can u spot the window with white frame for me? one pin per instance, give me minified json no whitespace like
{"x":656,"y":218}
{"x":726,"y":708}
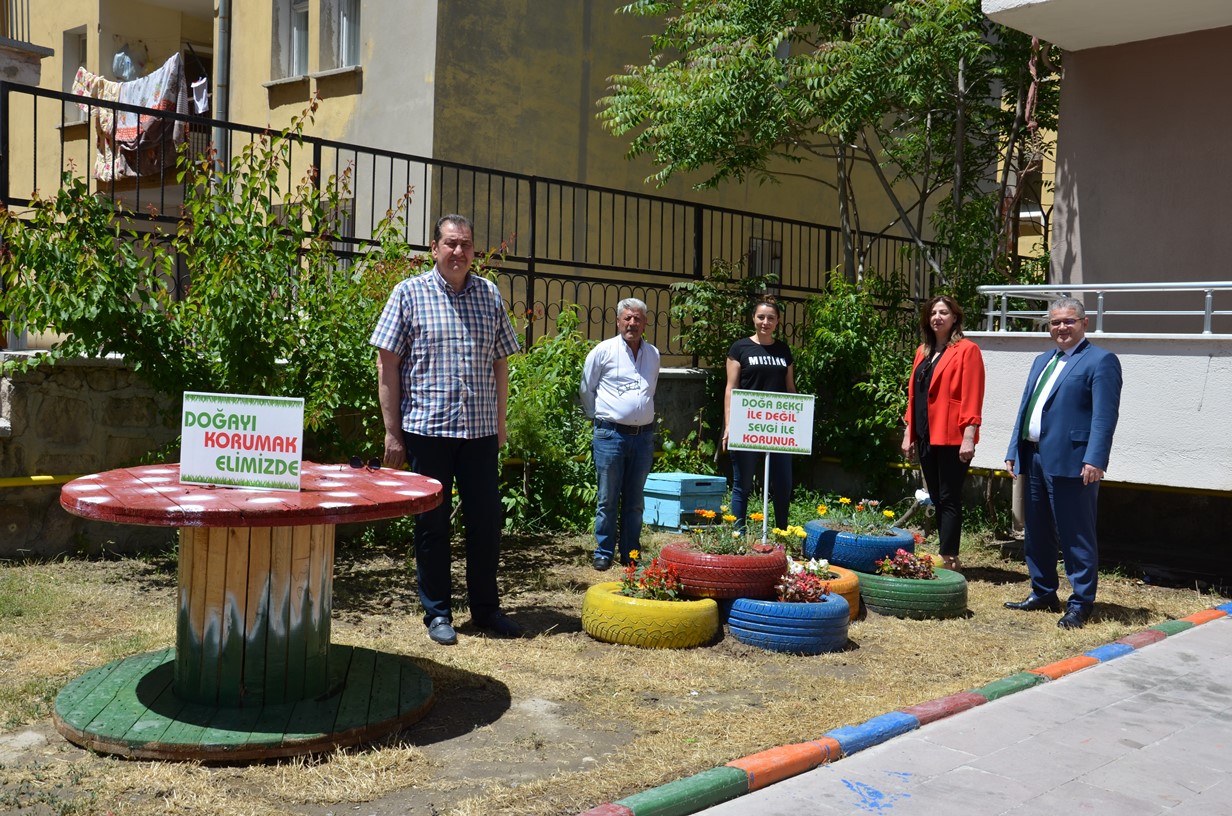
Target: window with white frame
{"x":289,"y":52}
{"x":339,"y":34}
{"x":299,"y":38}
{"x":74,"y":57}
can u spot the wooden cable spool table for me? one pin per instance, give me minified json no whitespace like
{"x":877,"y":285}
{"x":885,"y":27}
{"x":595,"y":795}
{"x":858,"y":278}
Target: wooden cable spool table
{"x":253,"y":674}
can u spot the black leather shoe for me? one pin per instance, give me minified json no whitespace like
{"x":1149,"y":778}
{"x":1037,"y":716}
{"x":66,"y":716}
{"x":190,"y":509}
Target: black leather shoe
{"x":602,"y":563}
{"x":1074,"y":618}
{"x":1034,"y":603}
{"x":498,"y":624}
{"x":441,"y":631}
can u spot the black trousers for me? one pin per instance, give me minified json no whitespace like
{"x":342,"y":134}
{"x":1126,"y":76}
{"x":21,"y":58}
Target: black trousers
{"x":944,"y":474}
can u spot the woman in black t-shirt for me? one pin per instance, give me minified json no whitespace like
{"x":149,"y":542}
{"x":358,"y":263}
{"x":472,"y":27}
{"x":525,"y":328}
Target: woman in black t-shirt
{"x":759,"y":363}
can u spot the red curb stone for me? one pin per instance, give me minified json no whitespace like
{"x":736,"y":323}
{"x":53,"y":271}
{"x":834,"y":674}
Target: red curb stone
{"x":1205,"y":615}
{"x":1067,"y":666}
{"x":784,"y":762}
{"x":607,"y":810}
{"x":945,"y":706}
{"x":1144,"y":638}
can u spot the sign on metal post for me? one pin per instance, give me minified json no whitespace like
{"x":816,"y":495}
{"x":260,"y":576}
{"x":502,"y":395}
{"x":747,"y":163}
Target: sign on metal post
{"x":238,"y":440}
{"x":772,"y":422}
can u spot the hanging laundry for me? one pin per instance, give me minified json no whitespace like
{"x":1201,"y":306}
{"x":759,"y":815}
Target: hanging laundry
{"x":132,"y":144}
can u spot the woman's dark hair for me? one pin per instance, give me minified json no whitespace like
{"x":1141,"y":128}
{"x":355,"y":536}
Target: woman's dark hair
{"x":926,"y":329}
{"x":766,"y":300}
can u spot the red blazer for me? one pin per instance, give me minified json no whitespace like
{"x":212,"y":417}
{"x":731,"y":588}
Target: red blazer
{"x":956,"y":395}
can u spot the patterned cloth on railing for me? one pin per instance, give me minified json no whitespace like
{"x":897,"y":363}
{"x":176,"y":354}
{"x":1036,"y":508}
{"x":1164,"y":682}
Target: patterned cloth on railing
{"x":131,"y":144}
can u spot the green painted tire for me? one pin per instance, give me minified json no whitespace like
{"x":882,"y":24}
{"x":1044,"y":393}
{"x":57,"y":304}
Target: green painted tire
{"x":942,"y":597}
{"x":614,"y":618}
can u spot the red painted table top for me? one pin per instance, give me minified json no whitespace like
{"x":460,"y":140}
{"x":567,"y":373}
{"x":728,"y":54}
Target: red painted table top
{"x":329,"y":494}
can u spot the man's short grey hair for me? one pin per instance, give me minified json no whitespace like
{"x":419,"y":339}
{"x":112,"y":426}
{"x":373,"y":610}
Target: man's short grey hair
{"x":1068,"y":303}
{"x":631,"y":304}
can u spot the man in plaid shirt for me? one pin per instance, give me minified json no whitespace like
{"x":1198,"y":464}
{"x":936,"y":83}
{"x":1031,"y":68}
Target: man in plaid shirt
{"x":442,"y":342}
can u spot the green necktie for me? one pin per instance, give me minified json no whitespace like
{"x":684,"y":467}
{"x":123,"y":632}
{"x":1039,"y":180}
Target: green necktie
{"x":1039,"y":389}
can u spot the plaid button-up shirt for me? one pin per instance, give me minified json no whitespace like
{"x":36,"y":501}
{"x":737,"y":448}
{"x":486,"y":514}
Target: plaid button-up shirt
{"x":448,"y":342}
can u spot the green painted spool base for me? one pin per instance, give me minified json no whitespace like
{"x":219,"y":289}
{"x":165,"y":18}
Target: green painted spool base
{"x":128,"y":708}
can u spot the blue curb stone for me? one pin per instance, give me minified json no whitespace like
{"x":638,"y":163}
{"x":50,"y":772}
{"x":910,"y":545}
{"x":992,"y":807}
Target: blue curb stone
{"x":852,"y":738}
{"x":1110,"y":651}
{"x":1225,"y":608}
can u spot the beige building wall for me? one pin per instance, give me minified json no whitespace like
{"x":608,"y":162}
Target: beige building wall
{"x":1140,"y":161}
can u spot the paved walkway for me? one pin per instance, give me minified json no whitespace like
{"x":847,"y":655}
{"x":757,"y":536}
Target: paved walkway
{"x":1137,"y":727}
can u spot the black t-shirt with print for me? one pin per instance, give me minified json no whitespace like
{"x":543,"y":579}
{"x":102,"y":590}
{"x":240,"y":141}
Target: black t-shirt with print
{"x":762,"y":368}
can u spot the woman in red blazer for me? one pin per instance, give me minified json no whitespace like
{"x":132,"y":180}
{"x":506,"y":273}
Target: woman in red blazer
{"x":945,"y":396}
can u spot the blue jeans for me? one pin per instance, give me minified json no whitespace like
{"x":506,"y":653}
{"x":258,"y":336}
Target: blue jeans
{"x":474,"y":465}
{"x":623,"y":462}
{"x":745,"y":464}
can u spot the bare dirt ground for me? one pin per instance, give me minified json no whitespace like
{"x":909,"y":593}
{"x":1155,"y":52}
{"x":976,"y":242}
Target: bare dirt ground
{"x":552,"y":724}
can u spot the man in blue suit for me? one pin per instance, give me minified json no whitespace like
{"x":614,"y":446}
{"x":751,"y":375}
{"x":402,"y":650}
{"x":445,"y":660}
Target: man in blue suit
{"x":1060,"y":444}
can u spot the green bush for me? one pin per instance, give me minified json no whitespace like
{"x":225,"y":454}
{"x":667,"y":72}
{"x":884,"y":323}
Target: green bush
{"x":268,"y":307}
{"x":552,"y":483}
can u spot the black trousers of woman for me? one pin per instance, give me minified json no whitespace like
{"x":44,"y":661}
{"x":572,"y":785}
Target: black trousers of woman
{"x":944,"y":474}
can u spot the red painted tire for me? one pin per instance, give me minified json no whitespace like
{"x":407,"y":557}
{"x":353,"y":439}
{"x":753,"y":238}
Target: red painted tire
{"x":703,"y":575}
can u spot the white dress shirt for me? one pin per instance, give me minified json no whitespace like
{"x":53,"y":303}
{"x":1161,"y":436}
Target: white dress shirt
{"x":618,"y":387}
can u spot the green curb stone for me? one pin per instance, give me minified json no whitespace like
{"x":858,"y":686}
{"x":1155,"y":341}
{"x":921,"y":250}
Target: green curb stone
{"x":1172,"y":627}
{"x":1010,"y":685}
{"x":689,"y":795}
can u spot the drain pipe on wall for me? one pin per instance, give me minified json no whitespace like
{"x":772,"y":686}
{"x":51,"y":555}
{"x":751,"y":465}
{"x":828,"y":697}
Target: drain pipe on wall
{"x":222,"y":83}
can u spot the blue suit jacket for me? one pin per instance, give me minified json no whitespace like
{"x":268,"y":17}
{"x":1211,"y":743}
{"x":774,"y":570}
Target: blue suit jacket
{"x":1079,"y":415}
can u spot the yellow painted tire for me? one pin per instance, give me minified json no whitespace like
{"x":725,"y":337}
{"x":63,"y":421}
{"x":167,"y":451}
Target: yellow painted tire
{"x":846,"y":584}
{"x":614,"y":618}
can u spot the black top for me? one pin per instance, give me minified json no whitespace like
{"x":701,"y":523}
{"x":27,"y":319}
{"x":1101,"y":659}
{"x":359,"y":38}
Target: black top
{"x":762,"y":368}
{"x":919,"y":409}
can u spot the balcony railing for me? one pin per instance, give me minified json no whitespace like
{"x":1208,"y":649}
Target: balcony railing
{"x":565,"y":243}
{"x":15,"y":20}
{"x":1152,"y":308}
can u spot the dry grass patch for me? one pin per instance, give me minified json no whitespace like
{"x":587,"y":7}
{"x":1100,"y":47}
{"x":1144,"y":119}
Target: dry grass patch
{"x":552,"y":724}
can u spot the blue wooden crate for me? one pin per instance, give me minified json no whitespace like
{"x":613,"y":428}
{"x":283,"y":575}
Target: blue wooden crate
{"x":671,"y":499}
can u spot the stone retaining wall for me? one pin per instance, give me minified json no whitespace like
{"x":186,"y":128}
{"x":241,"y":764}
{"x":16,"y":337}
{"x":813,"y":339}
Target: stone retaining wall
{"x":78,"y":417}
{"x":86,"y":416}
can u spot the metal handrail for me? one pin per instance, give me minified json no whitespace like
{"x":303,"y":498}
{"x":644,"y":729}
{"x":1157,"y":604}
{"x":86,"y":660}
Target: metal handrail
{"x":1049,"y":292}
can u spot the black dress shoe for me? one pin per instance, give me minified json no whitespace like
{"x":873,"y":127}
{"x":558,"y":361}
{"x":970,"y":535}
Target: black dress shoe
{"x":498,"y":624}
{"x":602,"y":563}
{"x":1034,"y":603}
{"x":441,"y":631}
{"x":1074,"y":618}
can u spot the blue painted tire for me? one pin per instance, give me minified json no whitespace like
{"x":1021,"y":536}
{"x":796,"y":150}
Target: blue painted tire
{"x":862,"y":552}
{"x":795,"y":628}
{"x":942,"y":597}
{"x":818,"y":540}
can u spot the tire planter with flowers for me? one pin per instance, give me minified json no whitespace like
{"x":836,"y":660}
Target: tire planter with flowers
{"x":846,"y":584}
{"x":796,"y":628}
{"x":707,"y":575}
{"x":611,"y":617}
{"x":944,"y":596}
{"x":854,"y":551}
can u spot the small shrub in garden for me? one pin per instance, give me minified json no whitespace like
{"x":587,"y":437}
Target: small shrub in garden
{"x":718,"y":534}
{"x":866,"y":516}
{"x":805,"y":582}
{"x":907,"y":565}
{"x":652,"y":582}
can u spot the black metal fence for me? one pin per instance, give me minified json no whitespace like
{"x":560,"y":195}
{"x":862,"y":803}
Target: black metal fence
{"x":563,"y":243}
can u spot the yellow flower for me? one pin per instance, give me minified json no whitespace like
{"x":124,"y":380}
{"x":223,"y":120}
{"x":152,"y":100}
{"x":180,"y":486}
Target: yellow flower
{"x":724,"y":508}
{"x":634,"y":554}
{"x":755,"y":517}
{"x":799,"y":531}
{"x":844,"y":500}
{"x":888,"y":513}
{"x":728,"y":517}
{"x":776,"y":531}
{"x":822,"y":509}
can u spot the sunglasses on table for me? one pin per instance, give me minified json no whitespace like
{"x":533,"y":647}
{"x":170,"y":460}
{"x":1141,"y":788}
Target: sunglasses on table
{"x":371,"y":464}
